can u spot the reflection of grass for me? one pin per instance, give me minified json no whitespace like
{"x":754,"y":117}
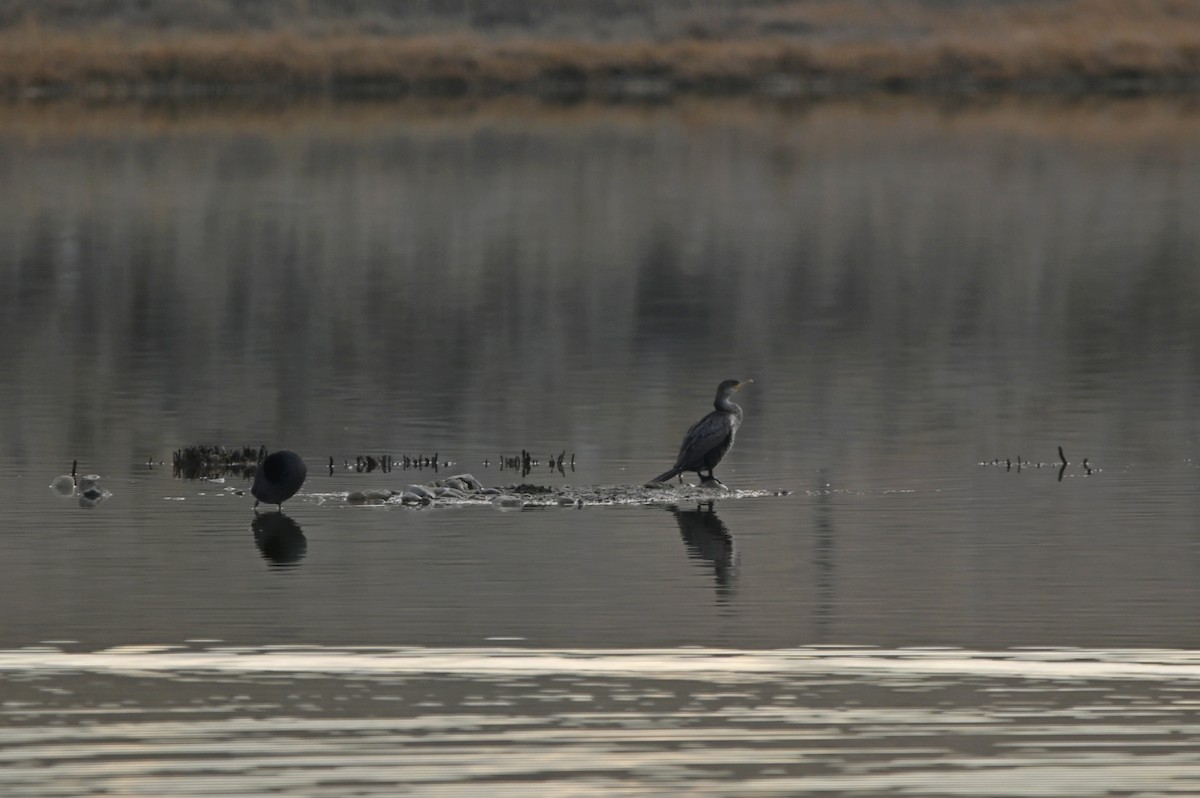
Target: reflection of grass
{"x":781,"y":47}
{"x":1147,"y":123}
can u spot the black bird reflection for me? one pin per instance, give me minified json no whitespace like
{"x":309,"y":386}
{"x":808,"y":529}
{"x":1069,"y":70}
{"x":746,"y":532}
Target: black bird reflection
{"x":708,"y":540}
{"x":279,"y":539}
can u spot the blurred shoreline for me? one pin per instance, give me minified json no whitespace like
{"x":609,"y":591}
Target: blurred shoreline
{"x":599,"y":50}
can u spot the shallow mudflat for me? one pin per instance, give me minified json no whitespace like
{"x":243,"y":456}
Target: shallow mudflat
{"x":459,"y":491}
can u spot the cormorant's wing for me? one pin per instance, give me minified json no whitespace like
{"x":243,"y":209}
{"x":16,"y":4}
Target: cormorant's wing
{"x":705,"y":435}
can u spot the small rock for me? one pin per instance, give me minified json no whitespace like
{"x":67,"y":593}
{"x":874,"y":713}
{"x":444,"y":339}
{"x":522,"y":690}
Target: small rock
{"x":374,"y":495}
{"x":468,"y":480}
{"x":93,"y":496}
{"x":63,"y":485}
{"x":88,"y":482}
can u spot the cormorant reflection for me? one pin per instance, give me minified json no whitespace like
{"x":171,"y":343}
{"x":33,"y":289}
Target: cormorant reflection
{"x":707,"y":539}
{"x":279,"y":538}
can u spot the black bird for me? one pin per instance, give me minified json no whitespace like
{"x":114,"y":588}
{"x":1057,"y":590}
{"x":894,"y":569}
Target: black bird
{"x":709,"y":438}
{"x":278,"y":478}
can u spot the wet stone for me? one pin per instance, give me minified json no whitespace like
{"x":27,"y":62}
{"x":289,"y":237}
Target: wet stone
{"x":63,"y":485}
{"x":373,"y":496}
{"x":469,"y":482}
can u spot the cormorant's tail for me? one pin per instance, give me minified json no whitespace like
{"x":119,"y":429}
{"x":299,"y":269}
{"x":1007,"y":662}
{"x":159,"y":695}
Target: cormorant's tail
{"x":667,"y":476}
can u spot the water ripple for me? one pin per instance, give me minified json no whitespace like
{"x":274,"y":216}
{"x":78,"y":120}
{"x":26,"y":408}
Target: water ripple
{"x":313,"y":721}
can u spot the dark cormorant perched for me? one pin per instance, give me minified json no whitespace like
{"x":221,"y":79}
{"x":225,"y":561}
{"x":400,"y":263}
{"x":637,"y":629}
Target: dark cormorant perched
{"x":709,"y":438}
{"x":278,"y":478}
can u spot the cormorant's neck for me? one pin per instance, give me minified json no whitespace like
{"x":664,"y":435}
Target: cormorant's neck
{"x":726,"y":405}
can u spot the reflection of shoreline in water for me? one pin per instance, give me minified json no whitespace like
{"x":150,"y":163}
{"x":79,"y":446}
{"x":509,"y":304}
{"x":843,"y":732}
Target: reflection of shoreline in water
{"x":708,"y":540}
{"x":972,"y":190}
{"x":279,"y":538}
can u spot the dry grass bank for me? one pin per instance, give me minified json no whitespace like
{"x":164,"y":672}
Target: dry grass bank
{"x":574,"y":49}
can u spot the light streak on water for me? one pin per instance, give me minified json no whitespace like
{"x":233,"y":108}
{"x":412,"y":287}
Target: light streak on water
{"x":718,"y":665}
{"x":210,"y":719}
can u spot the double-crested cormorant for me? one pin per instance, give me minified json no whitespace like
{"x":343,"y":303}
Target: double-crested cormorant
{"x":278,"y":478}
{"x":709,"y":438}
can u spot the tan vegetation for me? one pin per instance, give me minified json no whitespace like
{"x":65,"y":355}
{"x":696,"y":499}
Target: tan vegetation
{"x":575,"y":49}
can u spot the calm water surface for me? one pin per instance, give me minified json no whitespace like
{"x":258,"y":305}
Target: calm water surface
{"x":917,"y":292}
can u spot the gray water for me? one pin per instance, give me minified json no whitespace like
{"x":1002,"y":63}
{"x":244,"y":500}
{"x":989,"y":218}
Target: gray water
{"x":924,"y":296}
